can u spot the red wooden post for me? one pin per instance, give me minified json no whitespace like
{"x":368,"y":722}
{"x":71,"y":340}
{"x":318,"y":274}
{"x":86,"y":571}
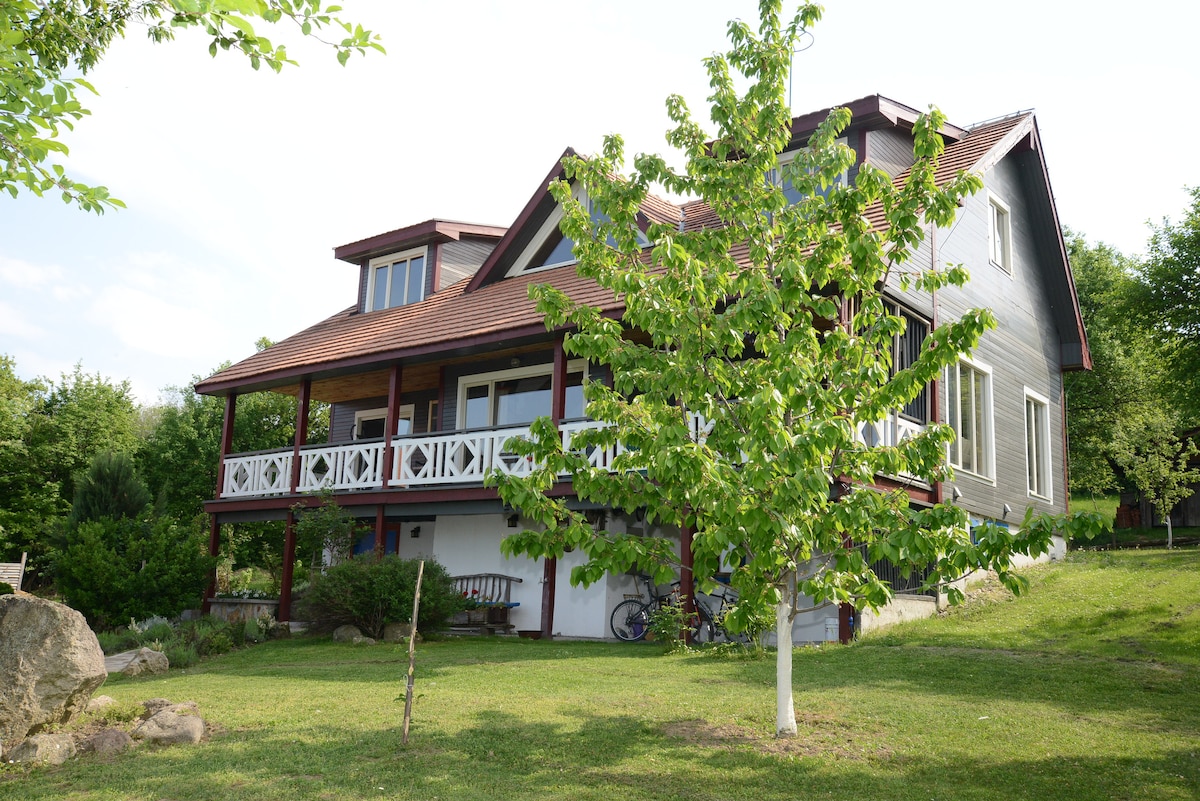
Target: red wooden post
{"x":214,"y":547}
{"x":226,"y":439}
{"x":302,"y":402}
{"x":558,"y":408}
{"x":392,"y":422}
{"x":289,"y":559}
{"x":381,"y":532}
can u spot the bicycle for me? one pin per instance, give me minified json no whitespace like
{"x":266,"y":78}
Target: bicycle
{"x":712,"y":623}
{"x":630,"y":619}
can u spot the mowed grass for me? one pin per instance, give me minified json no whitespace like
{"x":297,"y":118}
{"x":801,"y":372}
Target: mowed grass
{"x":1084,"y":688}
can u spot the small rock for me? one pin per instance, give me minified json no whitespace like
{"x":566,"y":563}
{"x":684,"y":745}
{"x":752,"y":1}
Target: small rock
{"x":146,"y":660}
{"x":44,"y":749}
{"x":107,"y":741}
{"x":346,"y":633}
{"x":363,"y":641}
{"x":100,"y":703}
{"x":167,"y":728}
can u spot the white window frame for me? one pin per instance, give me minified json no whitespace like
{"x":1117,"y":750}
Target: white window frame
{"x":1038,"y":447}
{"x":406,"y":413}
{"x":986,"y":470}
{"x":468,"y":382}
{"x":1000,"y":234}
{"x":390,"y":261}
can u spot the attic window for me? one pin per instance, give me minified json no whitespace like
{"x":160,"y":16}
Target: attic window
{"x":397,"y":279}
{"x":551,"y":248}
{"x":793,"y":195}
{"x":999,"y":234}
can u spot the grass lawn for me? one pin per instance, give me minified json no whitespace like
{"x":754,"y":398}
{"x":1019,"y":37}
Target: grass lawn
{"x":1084,"y":688}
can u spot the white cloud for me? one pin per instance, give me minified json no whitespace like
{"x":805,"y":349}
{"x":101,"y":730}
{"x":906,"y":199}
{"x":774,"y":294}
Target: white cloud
{"x":13,"y":322}
{"x":25,"y":275}
{"x":148,"y":323}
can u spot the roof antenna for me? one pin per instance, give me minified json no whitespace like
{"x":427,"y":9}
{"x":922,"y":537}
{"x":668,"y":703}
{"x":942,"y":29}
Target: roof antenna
{"x":804,"y":40}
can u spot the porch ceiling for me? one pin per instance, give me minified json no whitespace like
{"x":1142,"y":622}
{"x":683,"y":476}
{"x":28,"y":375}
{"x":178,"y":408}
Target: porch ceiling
{"x":374,"y":383}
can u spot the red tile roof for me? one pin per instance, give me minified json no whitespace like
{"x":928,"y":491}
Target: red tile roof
{"x":454,"y":318}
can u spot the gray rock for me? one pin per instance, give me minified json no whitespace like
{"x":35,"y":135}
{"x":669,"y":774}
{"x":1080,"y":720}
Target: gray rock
{"x":146,"y":661}
{"x":106,"y":741}
{"x":167,"y":728}
{"x":346,"y":633}
{"x":99,"y":704}
{"x":51,"y":664}
{"x":44,"y":749}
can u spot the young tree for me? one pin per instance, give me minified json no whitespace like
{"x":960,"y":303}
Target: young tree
{"x":748,"y":355}
{"x":1158,"y":464}
{"x":45,"y":44}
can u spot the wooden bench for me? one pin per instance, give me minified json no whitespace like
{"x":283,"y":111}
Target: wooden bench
{"x":11,"y":573}
{"x":493,"y":593}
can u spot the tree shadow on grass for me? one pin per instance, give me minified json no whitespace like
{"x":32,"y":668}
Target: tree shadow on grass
{"x":584,"y":756}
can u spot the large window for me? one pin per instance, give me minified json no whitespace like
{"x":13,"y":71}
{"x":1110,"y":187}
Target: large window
{"x":396,"y":280}
{"x":1037,"y":444}
{"x":907,"y":349}
{"x":516,"y":397}
{"x":969,"y":403}
{"x":999,"y":234}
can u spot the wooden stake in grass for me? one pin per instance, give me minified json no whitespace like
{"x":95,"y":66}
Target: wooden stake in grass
{"x":412,"y":651}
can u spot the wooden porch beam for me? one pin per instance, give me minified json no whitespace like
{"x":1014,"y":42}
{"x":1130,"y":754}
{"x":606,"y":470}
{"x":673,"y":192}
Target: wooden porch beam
{"x":226,"y":439}
{"x":302,"y":402}
{"x":558,"y":408}
{"x":395,"y":377}
{"x":289,"y":559}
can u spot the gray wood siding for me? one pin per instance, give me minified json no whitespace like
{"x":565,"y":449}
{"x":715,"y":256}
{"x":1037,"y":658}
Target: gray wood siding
{"x":890,"y":149}
{"x":341,"y":415}
{"x":1023,"y":351}
{"x":462,"y":259}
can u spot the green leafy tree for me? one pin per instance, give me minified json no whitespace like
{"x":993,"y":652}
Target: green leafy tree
{"x":27,"y":499}
{"x":1128,"y":386}
{"x":46,"y":45}
{"x":62,"y":426}
{"x":1169,"y":280}
{"x":750,"y":326}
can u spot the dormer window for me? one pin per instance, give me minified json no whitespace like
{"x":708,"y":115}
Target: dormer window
{"x":793,"y":195}
{"x":397,"y":279}
{"x":551,"y":248}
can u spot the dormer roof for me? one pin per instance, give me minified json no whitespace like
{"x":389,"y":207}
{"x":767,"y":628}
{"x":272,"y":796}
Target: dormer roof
{"x":423,"y":233}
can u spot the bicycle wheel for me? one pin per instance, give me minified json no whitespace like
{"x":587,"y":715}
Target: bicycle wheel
{"x":630,"y":620}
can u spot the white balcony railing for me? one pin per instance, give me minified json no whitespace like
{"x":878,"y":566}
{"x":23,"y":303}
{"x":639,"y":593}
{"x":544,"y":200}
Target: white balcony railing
{"x":441,"y":459}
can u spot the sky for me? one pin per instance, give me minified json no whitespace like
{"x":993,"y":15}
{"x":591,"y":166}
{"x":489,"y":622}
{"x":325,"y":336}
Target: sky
{"x":239,"y":184}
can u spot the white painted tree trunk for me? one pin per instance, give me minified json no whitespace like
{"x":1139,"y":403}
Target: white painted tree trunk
{"x":785,"y":711}
{"x":1170,"y":533}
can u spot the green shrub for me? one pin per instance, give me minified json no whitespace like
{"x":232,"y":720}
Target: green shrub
{"x":6,"y":588}
{"x":371,"y":593}
{"x":114,"y":570}
{"x":181,"y":655}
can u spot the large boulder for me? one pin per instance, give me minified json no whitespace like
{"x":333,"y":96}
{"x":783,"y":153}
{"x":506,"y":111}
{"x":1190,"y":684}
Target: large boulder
{"x":51,"y":664}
